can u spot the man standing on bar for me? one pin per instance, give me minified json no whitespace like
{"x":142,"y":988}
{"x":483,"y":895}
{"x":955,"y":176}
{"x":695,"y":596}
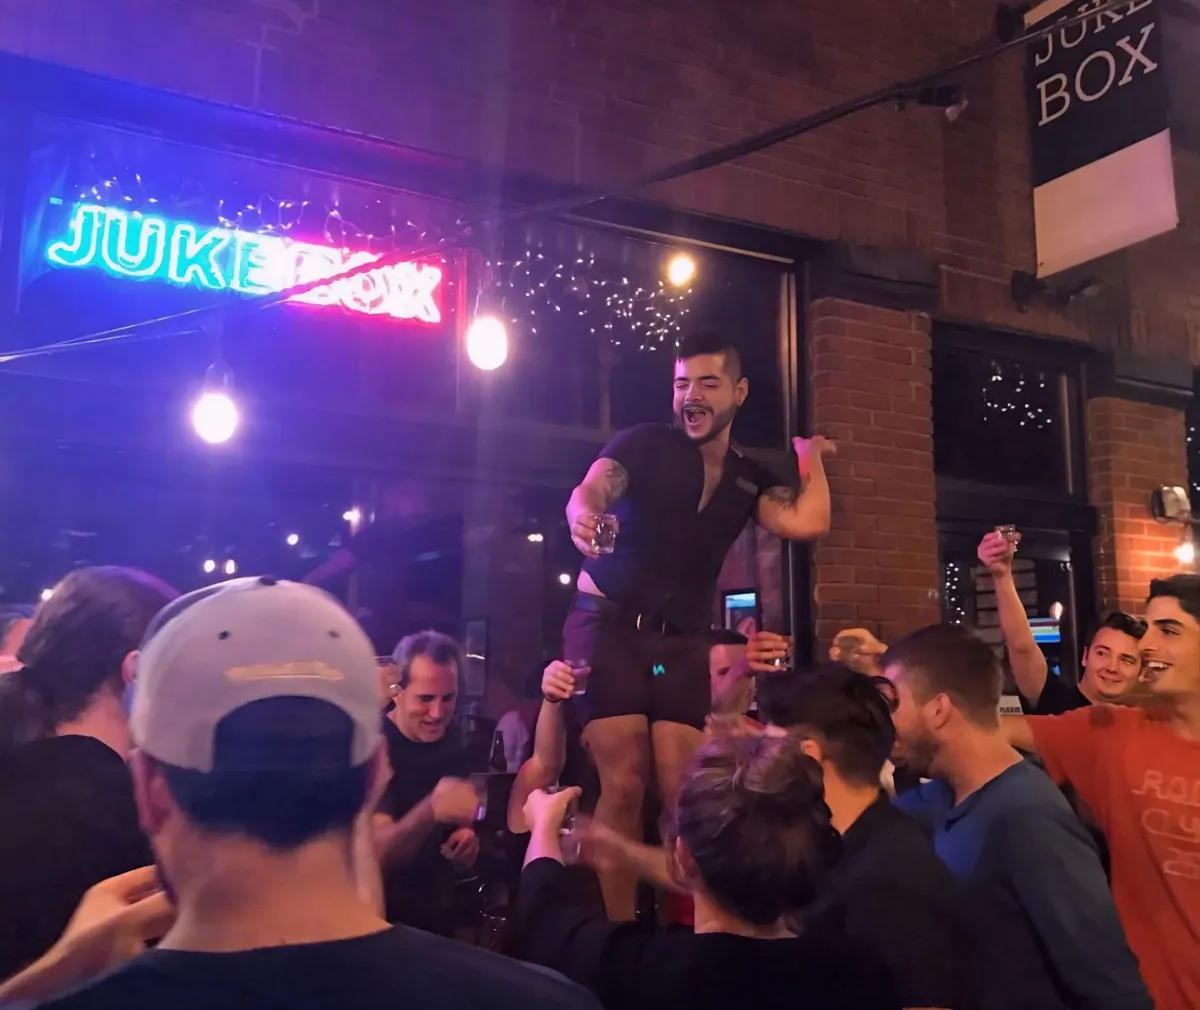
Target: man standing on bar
{"x":679,"y":496}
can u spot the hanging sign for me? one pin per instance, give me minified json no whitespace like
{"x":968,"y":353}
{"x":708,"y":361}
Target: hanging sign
{"x":1101,"y":148}
{"x":145,"y":246}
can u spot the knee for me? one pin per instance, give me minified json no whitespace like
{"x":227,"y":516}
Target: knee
{"x":624,"y":786}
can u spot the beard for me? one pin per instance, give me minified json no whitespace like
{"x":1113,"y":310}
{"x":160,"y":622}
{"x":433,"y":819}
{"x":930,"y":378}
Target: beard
{"x":719,"y":422}
{"x":917,"y":755}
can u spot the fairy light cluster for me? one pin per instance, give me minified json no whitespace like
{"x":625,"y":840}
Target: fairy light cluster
{"x":339,"y":227}
{"x":1008,"y":394}
{"x":954,"y":599}
{"x":536,"y":289}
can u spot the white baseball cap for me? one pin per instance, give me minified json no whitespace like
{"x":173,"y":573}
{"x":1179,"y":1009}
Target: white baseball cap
{"x":218,"y":649}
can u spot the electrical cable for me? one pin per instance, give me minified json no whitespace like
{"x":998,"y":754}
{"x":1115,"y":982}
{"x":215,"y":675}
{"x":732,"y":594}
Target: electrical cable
{"x":899,"y":90}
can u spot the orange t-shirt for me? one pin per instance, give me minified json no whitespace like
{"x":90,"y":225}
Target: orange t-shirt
{"x":1141,"y":781}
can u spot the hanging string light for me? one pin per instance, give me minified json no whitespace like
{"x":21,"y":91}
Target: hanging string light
{"x":953,"y":592}
{"x":1008,"y":394}
{"x":537,"y":289}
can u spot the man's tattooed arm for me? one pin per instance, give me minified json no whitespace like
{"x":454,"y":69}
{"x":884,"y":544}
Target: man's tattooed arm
{"x":786,"y":497}
{"x":615,"y":481}
{"x":606,"y":481}
{"x":793,"y":515}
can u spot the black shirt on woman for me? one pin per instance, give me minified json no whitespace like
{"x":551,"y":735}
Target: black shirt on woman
{"x":630,"y":968}
{"x":67,"y":821}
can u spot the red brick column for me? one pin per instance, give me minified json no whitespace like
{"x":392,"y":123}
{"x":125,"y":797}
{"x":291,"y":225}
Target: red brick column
{"x":1132,"y":449}
{"x":871,"y":388}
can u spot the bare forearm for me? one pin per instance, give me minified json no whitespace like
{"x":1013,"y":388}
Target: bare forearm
{"x":550,"y":740}
{"x":544,"y":843}
{"x":798,"y":515}
{"x":586,"y":500}
{"x":531,"y":776}
{"x":650,"y":864}
{"x":1028,"y":663}
{"x":398,"y":841}
{"x":52,"y":973}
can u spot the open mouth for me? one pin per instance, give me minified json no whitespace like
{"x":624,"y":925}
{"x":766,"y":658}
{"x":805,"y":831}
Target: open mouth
{"x":1152,"y":669}
{"x":694,"y":415}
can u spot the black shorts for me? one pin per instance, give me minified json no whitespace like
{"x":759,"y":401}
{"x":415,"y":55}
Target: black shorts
{"x":663,"y":677}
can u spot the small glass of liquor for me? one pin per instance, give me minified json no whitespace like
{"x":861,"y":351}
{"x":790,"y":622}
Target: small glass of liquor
{"x":788,"y":660}
{"x":1012,"y":535}
{"x":568,"y":832}
{"x":580,"y":671}
{"x":605,"y":540}
{"x":479,"y":782}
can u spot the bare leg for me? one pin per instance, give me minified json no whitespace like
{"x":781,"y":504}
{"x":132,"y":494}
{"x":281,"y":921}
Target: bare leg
{"x":673,"y":745}
{"x":620,"y":746}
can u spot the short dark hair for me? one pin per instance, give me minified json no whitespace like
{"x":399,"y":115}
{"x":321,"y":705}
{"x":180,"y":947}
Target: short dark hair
{"x":1125,"y":623}
{"x":845,"y":711}
{"x":1184,"y":588}
{"x":692,"y":345}
{"x":441,"y":649}
{"x":753,"y":816}
{"x":949,"y":659}
{"x":286,"y":806}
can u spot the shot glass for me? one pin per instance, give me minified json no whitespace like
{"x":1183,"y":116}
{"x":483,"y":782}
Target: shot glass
{"x":1012,"y":536}
{"x":479,"y":782}
{"x":605,"y":540}
{"x":568,"y":833}
{"x":580,"y":671}
{"x":787,"y":660}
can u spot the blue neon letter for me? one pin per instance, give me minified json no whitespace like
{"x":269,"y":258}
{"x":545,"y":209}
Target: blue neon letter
{"x":256,"y":266}
{"x":194,"y":257}
{"x":80,"y":249}
{"x":151,"y":244}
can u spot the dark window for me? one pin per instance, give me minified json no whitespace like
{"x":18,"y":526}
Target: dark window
{"x":999,"y":420}
{"x":594,"y":320}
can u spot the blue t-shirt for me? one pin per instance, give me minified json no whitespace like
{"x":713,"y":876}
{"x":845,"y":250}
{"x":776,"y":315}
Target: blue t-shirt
{"x":1046,"y":931}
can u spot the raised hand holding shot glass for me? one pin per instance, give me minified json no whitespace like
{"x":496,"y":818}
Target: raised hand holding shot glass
{"x":767,"y":652}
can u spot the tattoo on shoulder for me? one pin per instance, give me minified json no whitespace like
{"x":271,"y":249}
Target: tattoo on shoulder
{"x":783,"y":495}
{"x":616,"y":480}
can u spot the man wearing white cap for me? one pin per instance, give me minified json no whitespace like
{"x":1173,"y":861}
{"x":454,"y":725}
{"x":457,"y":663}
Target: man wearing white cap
{"x":259,"y":745}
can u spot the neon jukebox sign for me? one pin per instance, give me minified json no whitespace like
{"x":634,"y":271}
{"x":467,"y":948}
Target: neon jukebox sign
{"x":145,"y":246}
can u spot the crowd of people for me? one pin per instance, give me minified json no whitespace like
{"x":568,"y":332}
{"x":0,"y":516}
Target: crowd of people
{"x":207,"y":800}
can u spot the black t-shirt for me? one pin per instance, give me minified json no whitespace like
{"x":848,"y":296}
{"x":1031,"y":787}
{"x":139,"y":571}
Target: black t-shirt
{"x":891,"y":892}
{"x":630,"y":968}
{"x":396,"y":968}
{"x":668,"y":555}
{"x":420,"y":892}
{"x":1057,"y":697}
{"x":67,"y":822}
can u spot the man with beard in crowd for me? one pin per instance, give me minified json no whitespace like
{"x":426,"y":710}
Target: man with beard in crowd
{"x":1046,"y":931}
{"x":680,"y":495}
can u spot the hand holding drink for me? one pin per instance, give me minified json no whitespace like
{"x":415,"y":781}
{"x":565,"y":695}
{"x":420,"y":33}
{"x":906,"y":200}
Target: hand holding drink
{"x":767,"y":652}
{"x":595,"y":534}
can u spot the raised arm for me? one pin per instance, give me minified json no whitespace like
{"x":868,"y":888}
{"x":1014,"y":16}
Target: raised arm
{"x":606,"y":481}
{"x":803,"y":514}
{"x":1026,"y":658}
{"x":545,"y":766}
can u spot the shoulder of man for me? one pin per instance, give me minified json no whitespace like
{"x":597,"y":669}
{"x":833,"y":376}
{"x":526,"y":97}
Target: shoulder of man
{"x":507,"y":983}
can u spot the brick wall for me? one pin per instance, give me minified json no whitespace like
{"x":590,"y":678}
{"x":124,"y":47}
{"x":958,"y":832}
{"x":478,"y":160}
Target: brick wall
{"x":594,"y":92}
{"x":870,"y":389}
{"x":1133,"y":448}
